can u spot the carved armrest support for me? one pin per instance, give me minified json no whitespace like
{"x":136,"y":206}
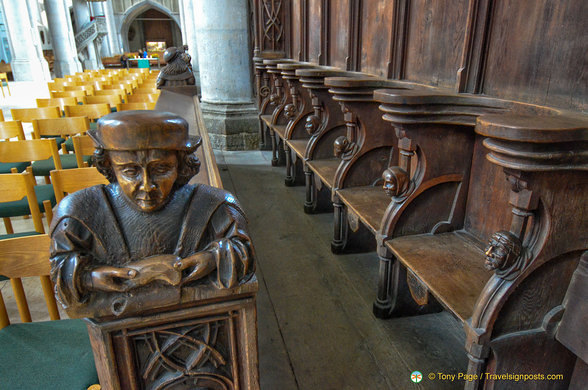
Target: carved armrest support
{"x":343,"y":148}
{"x":312,"y":124}
{"x":505,"y":255}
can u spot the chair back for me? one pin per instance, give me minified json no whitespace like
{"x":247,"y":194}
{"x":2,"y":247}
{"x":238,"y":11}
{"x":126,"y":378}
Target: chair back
{"x":126,"y":87}
{"x":77,"y":94}
{"x":83,"y":146}
{"x":60,"y":126}
{"x":135,"y":106}
{"x":147,"y":90}
{"x":67,"y":181}
{"x":30,"y":150}
{"x":143,"y":98}
{"x":15,"y":186}
{"x":1,"y":116}
{"x":4,"y":77}
{"x":61,"y":102}
{"x":112,"y":100}
{"x":11,"y":129}
{"x":92,"y":111}
{"x":30,"y":114}
{"x":26,"y":257}
{"x":89,"y":89}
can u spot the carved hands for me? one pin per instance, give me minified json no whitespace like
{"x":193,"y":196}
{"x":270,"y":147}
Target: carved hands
{"x":396,"y":182}
{"x":505,"y":255}
{"x":198,"y":265}
{"x":312,"y":124}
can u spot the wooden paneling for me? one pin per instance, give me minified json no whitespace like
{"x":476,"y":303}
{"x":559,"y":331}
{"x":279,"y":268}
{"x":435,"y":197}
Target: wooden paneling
{"x":376,"y":21}
{"x":339,"y":34}
{"x":537,"y":52}
{"x":297,"y":30}
{"x":435,"y":36}
{"x":315,"y":9}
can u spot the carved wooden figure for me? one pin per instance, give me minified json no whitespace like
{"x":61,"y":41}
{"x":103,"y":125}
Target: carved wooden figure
{"x":145,"y":257}
{"x":178,"y":70}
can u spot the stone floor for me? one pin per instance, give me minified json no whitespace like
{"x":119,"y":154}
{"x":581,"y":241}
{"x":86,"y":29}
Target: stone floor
{"x":316,"y":329}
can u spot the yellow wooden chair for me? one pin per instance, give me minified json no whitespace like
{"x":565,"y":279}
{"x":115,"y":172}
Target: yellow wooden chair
{"x":4,"y":83}
{"x":89,"y":89}
{"x":118,"y":85}
{"x":1,"y":116}
{"x":63,"y":128}
{"x":135,"y":106}
{"x":8,"y":131}
{"x":146,"y":90}
{"x":103,"y":92}
{"x":26,"y":151}
{"x":40,"y":354}
{"x":91,"y":111}
{"x":71,"y":180}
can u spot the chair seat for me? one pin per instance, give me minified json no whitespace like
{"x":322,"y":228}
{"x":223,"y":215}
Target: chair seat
{"x":20,"y":166}
{"x":68,"y":161}
{"x":21,"y":207}
{"x":93,"y":125}
{"x":47,"y":355}
{"x":69,"y":145}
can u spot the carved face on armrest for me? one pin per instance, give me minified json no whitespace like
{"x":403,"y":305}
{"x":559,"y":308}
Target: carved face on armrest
{"x":503,"y":251}
{"x":312,"y":124}
{"x":396,"y":181}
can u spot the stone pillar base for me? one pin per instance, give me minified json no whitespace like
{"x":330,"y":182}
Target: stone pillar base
{"x":231,"y":126}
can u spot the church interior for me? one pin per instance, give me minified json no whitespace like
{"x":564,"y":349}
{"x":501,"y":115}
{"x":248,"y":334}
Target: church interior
{"x":293,"y":194}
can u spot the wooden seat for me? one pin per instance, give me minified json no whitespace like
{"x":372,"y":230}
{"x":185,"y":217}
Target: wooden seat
{"x":135,"y":106}
{"x":128,"y":88}
{"x":37,"y":354}
{"x":72,"y":180}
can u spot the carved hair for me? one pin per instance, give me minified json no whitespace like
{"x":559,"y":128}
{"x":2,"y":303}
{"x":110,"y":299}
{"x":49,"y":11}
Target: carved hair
{"x":188,"y":165}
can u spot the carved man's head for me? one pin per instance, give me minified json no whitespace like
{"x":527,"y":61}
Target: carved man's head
{"x":340,"y":146}
{"x":502,"y":251}
{"x":290,"y":111}
{"x":149,"y":154}
{"x":396,"y":181}
{"x":312,"y":124}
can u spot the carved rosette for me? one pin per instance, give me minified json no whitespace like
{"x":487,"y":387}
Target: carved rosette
{"x":190,"y":356}
{"x":264,"y":91}
{"x":505,"y":255}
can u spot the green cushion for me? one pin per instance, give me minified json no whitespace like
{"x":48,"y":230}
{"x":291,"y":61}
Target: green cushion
{"x":21,"y":207}
{"x":47,"y":355}
{"x":20,"y":166}
{"x":16,"y":235}
{"x":93,"y":125}
{"x":69,"y":145}
{"x":68,"y":161}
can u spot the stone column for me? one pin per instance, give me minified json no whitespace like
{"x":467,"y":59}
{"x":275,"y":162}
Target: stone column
{"x":189,"y":35}
{"x":35,"y":18}
{"x":26,"y":65}
{"x":113,"y":38}
{"x":66,"y":56}
{"x":224,"y":62}
{"x":98,"y":11}
{"x":82,"y":16}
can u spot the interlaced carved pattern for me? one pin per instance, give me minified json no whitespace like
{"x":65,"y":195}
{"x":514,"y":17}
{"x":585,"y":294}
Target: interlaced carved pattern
{"x":197,"y":355}
{"x":273,"y":29}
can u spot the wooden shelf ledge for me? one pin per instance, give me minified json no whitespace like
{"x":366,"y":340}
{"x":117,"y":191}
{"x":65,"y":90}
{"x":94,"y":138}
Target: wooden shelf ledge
{"x":298,"y":146}
{"x":325,"y":170}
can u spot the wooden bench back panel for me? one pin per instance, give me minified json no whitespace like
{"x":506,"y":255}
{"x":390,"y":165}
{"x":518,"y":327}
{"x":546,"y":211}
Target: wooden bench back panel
{"x":339,"y":34}
{"x":434,"y":42}
{"x":547,"y":66}
{"x":315,"y":36}
{"x":375,"y":53}
{"x":487,"y":209}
